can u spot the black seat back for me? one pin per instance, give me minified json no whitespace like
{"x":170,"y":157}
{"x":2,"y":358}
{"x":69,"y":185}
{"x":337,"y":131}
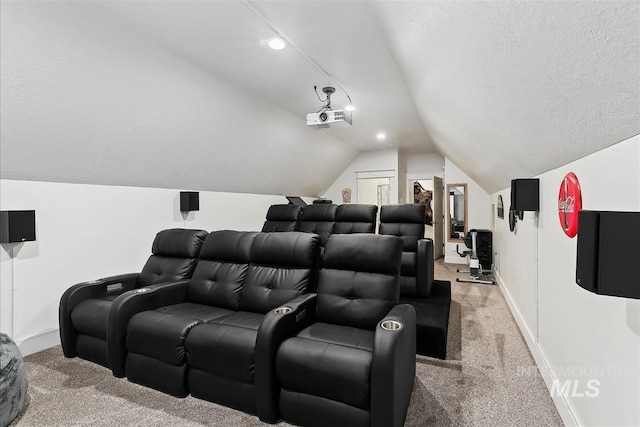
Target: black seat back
{"x":222,"y":269}
{"x":282,"y":218}
{"x":358,"y":283}
{"x":283,"y":266}
{"x":407,"y":222}
{"x":174,"y":256}
{"x":320,"y":219}
{"x":355,"y":218}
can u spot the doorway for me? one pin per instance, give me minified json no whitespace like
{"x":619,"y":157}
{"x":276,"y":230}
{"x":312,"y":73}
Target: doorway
{"x":430,"y":191}
{"x":374,"y":191}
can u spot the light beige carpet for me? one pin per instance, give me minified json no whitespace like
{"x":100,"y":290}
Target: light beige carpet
{"x":478,"y":385}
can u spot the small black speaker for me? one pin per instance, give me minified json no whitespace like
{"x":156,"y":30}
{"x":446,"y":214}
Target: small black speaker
{"x":608,"y":252}
{"x":17,"y":226}
{"x":525,"y":194}
{"x":189,"y":201}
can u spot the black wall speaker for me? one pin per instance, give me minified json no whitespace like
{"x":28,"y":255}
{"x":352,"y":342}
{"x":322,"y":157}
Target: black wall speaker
{"x":189,"y":201}
{"x":525,"y":194}
{"x":608,"y":253}
{"x":17,"y":226}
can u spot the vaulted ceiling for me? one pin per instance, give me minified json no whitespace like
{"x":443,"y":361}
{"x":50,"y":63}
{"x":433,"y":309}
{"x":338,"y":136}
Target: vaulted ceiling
{"x":178,"y":94}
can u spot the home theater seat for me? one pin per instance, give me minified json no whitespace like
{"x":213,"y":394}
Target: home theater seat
{"x":84,"y":308}
{"x":354,"y":365}
{"x":355,"y":218}
{"x":199,"y":337}
{"x":318,"y":218}
{"x":282,"y":218}
{"x":221,"y":352}
{"x":430,"y":298}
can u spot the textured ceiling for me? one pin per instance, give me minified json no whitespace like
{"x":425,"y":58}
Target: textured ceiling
{"x":182,"y":94}
{"x":514,"y":89}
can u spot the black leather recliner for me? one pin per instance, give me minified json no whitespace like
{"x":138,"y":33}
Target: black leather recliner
{"x":282,"y":218}
{"x":199,"y":336}
{"x":430,"y":298}
{"x":355,"y":218}
{"x":85,"y":307}
{"x":320,"y":219}
{"x":407,"y":222}
{"x":350,"y":360}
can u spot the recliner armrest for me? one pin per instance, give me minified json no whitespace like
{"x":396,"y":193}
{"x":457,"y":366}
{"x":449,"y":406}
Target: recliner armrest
{"x":277,"y":326}
{"x":424,"y":267}
{"x":394,"y":366}
{"x":129,"y":304}
{"x":112,"y":285}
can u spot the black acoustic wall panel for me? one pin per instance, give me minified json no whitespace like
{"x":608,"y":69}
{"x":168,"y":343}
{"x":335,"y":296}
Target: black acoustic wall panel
{"x":189,"y":201}
{"x":17,"y":226}
{"x":525,"y":194}
{"x":608,"y":253}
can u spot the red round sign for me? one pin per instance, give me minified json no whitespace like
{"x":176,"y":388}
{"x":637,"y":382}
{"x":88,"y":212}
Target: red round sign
{"x":569,"y":204}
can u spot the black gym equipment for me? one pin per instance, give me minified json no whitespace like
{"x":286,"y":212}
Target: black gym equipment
{"x":480,"y":243}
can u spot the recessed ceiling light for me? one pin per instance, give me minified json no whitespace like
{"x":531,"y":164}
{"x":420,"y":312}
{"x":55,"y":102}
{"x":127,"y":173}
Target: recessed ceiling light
{"x":349,"y":108}
{"x":381,"y":136}
{"x":277,"y":43}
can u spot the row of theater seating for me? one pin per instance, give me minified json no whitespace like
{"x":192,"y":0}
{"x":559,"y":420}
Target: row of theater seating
{"x":252,"y":321}
{"x":322,"y":219}
{"x":430,"y":298}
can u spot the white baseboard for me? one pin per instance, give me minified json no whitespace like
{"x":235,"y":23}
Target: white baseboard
{"x":563,"y":406}
{"x":38,"y":342}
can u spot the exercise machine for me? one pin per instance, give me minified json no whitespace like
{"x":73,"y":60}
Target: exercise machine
{"x":480,"y":253}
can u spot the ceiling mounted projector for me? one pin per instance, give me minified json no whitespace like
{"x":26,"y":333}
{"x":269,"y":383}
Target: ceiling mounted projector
{"x":327,"y":117}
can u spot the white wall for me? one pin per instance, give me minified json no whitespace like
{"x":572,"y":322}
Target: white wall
{"x":425,"y":164}
{"x":378,"y":163}
{"x":86,"y":99}
{"x":580,"y":336}
{"x":86,"y":232}
{"x":478,"y":211}
{"x":402,"y":178}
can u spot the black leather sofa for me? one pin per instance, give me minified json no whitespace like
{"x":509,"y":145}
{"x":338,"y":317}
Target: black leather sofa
{"x":282,"y":218}
{"x":430,"y":298}
{"x":350,"y":361}
{"x":199,"y":336}
{"x":84,"y":308}
{"x":247,"y":330}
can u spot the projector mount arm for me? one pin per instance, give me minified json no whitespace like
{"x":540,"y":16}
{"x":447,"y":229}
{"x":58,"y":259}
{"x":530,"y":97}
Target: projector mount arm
{"x":328,"y":90}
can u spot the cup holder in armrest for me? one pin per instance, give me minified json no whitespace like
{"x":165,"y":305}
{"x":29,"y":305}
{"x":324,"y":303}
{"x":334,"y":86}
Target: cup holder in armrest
{"x":282,"y":310}
{"x":142,"y":290}
{"x":391,"y":325}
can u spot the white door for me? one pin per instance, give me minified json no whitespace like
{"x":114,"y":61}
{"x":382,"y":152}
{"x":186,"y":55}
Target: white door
{"x":374,"y":191}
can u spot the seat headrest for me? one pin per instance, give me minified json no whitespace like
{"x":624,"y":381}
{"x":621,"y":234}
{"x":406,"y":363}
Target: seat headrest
{"x":288,"y":249}
{"x":178,"y":243}
{"x":413,"y":213}
{"x":356,"y":213}
{"x":319,"y":212}
{"x":363,"y":252}
{"x":283,"y":212}
{"x":228,"y":246}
